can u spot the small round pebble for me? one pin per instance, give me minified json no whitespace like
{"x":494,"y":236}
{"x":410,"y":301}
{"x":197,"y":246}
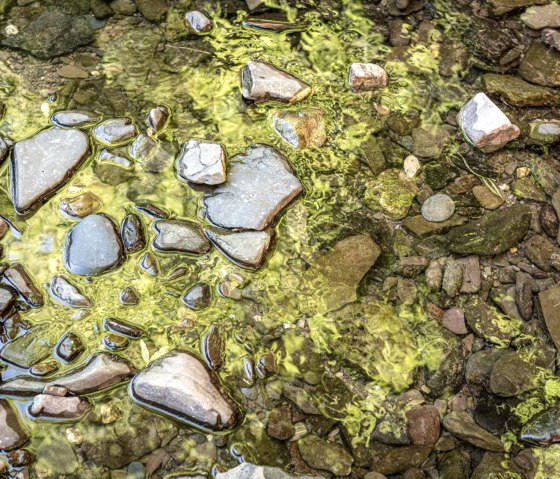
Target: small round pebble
{"x":438,"y":208}
{"x":412,"y":166}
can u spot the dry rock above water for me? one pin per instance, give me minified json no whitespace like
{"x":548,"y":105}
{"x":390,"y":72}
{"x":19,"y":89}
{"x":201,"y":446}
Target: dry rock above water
{"x":181,"y":385}
{"x":93,"y":246}
{"x":43,"y":163}
{"x":260,"y":185}
{"x":248,"y":248}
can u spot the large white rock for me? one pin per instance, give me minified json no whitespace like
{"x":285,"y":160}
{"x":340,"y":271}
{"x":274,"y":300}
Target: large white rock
{"x":252,"y":471}
{"x":485,"y":125}
{"x":202,"y":162}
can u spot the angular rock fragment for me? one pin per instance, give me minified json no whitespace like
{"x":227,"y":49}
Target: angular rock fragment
{"x":392,"y":192}
{"x":182,"y":386}
{"x":367,"y":77}
{"x":518,"y":92}
{"x":143,"y":148}
{"x":115,"y":131}
{"x":199,"y":21}
{"x":485,"y":125}
{"x":132,"y":233}
{"x":49,"y":406}
{"x":129,"y":297}
{"x":18,"y":278}
{"x":115,"y":342}
{"x":202,"y":162}
{"x":93,"y":246}
{"x":151,"y":210}
{"x":543,"y":253}
{"x":491,"y":325}
{"x":69,"y":347}
{"x":149,"y":264}
{"x":43,"y":163}
{"x":464,"y":427}
{"x":198,"y":297}
{"x":550,"y":306}
{"x":260,"y":185}
{"x":544,"y":132}
{"x":28,"y":349}
{"x":82,"y":205}
{"x":551,"y":38}
{"x":107,"y":158}
{"x":543,"y":428}
{"x":303,"y":129}
{"x":74,"y":118}
{"x":261,"y":82}
{"x":181,"y":236}
{"x":100,"y":371}
{"x":12,"y":434}
{"x":248,"y":248}
{"x":65,"y":293}
{"x":541,"y":65}
{"x":546,"y":16}
{"x":123,"y":327}
{"x":7,"y":296}
{"x":158,"y":118}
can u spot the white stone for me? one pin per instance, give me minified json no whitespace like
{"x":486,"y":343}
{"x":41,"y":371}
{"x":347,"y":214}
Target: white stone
{"x":412,"y":166}
{"x":199,"y":21}
{"x":485,"y":125}
{"x":46,"y":405}
{"x":367,"y":77}
{"x":249,"y":248}
{"x":202,"y":162}
{"x":251,"y":471}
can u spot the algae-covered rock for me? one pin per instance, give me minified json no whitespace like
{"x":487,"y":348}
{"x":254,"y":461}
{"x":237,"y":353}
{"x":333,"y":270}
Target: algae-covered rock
{"x":541,"y":65}
{"x":392,"y":193}
{"x":528,"y":189}
{"x":455,"y":464}
{"x":513,"y":375}
{"x":392,"y":460}
{"x":497,"y":466}
{"x":491,"y":325}
{"x":324,"y":455}
{"x":518,"y":92}
{"x":492,"y":234}
{"x":543,"y":428}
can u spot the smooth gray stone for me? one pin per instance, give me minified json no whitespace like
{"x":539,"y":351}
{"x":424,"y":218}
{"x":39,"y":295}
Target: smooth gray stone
{"x":12,"y":435}
{"x":65,"y":293}
{"x":100,"y":371}
{"x":115,"y":131}
{"x":248,"y":248}
{"x":262,"y":81}
{"x":252,"y":471}
{"x":182,"y":386}
{"x":48,"y":406}
{"x":74,"y":118}
{"x":93,"y":246}
{"x":43,"y":163}
{"x":202,"y":162}
{"x":438,"y":208}
{"x":181,"y":236}
{"x":260,"y":185}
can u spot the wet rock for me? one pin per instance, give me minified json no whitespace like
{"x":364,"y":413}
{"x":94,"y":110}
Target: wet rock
{"x":261,"y":82}
{"x":43,"y":163}
{"x":423,"y":425}
{"x":471,"y":275}
{"x":44,"y":368}
{"x":438,"y":208}
{"x":541,"y":65}
{"x":524,"y":294}
{"x":411,"y":266}
{"x":544,"y":132}
{"x":152,"y":10}
{"x":551,"y":312}
{"x":251,"y":471}
{"x":52,"y":33}
{"x":65,"y":293}
{"x":48,"y":406}
{"x":450,"y":375}
{"x":422,"y":228}
{"x":303,"y":129}
{"x":412,"y":166}
{"x":455,"y":464}
{"x":367,"y":77}
{"x":115,"y":342}
{"x":158,"y":118}
{"x":69,"y":347}
{"x":180,"y":236}
{"x":260,"y":185}
{"x":454,"y":321}
{"x":28,"y":349}
{"x":7,"y":296}
{"x":13,"y":435}
{"x":280,"y":424}
{"x":528,"y":189}
{"x":181,"y":385}
{"x":132,"y":233}
{"x":100,"y":371}
{"x":392,"y":193}
{"x":74,"y":118}
{"x":452,"y":277}
{"x":547,"y":16}
{"x":489,"y":324}
{"x":202,"y":162}
{"x":93,"y":246}
{"x":513,"y":375}
{"x":434,"y":275}
{"x":430,"y":141}
{"x":20,"y":280}
{"x":543,"y":428}
{"x":393,"y":460}
{"x":212,"y":348}
{"x":129,"y":297}
{"x":149,"y":264}
{"x":151,"y":210}
{"x":487,"y":198}
{"x":198,"y":297}
{"x":124,"y":328}
{"x":517,"y":92}
{"x":542,"y":252}
{"x":106,"y":158}
{"x":485,"y":125}
{"x":20,"y":458}
{"x":480,"y":365}
{"x":492,"y":234}
{"x":81,"y":205}
{"x":328,"y":456}
{"x":247,"y":248}
{"x":115,"y":131}
{"x":143,"y":148}
{"x":463,"y":426}
{"x":199,"y":21}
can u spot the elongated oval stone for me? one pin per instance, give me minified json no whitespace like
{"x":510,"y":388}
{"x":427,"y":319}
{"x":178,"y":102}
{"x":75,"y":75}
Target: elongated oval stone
{"x":43,"y":163}
{"x":182,"y":386}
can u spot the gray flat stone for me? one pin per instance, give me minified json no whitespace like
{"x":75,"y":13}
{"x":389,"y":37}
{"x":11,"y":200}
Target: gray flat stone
{"x":93,"y":246}
{"x":248,"y":248}
{"x":463,"y":426}
{"x":74,"y":118}
{"x":260,"y":185}
{"x":438,"y":208}
{"x":262,"y":81}
{"x":202,"y":162}
{"x":115,"y":131}
{"x":65,"y":293}
{"x":43,"y":163}
{"x":182,"y":386}
{"x":48,"y":406}
{"x":181,"y":236}
{"x":251,"y":471}
{"x":12,"y":435}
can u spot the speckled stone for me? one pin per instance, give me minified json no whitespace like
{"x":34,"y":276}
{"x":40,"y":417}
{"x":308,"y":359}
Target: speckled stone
{"x":438,"y":208}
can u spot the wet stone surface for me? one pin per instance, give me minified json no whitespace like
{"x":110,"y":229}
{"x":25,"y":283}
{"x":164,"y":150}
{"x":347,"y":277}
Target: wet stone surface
{"x":202,"y":163}
{"x":181,"y":236}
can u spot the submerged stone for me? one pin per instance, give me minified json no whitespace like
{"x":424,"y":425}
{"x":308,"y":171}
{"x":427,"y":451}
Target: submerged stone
{"x":251,"y":471}
{"x":82,"y":205}
{"x":485,"y":125}
{"x":12,"y":434}
{"x":544,"y":428}
{"x":93,"y":246}
{"x":158,"y":118}
{"x":43,"y":163}
{"x":65,"y":293}
{"x":367,"y":77}
{"x":199,"y":21}
{"x":202,"y":162}
{"x":328,"y":456}
{"x":491,"y":325}
{"x":48,"y":406}
{"x":116,"y":131}
{"x":518,"y":92}
{"x":20,"y":280}
{"x":181,"y":236}
{"x":492,"y":234}
{"x":303,"y":129}
{"x":545,"y":132}
{"x":392,"y":192}
{"x":132,"y":233}
{"x":7,"y":296}
{"x":28,"y":349}
{"x":261,"y":82}
{"x":541,"y":65}
{"x":69,"y":347}
{"x":100,"y":371}
{"x":74,"y":118}
{"x":248,"y":248}
{"x":182,"y":386}
{"x":260,"y":185}
{"x":124,"y":328}
{"x":462,"y":425}
{"x":198,"y":297}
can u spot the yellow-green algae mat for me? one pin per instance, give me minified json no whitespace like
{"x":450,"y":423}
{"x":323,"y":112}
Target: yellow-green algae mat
{"x":205,"y":103}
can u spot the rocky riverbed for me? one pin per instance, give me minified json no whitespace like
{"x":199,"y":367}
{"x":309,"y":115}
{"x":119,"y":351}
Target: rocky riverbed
{"x":247,"y":239}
